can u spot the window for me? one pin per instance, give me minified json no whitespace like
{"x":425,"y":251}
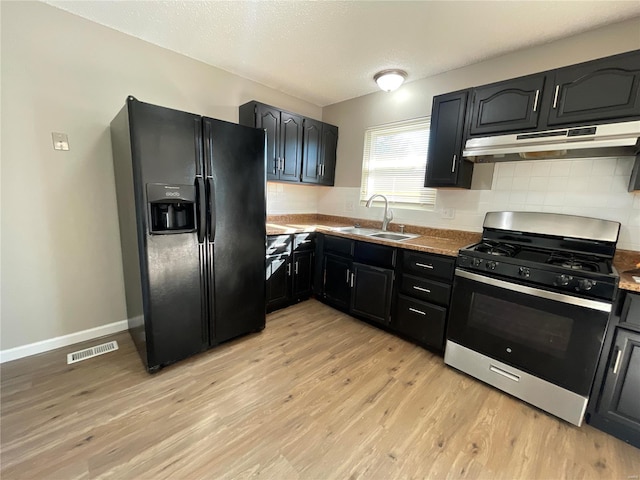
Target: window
{"x":395,"y":158}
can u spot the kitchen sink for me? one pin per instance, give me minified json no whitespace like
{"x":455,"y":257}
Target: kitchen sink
{"x":376,"y":233}
{"x":397,"y":237}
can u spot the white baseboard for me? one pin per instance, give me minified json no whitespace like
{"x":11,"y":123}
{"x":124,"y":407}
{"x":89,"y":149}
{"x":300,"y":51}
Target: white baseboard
{"x":57,"y":342}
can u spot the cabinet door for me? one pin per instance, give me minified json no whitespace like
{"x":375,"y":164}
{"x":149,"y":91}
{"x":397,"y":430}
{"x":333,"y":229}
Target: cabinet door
{"x":621,"y":391}
{"x":290,"y":146}
{"x":337,"y":281}
{"x":328,"y":154}
{"x":278,"y":281}
{"x":596,"y":91}
{"x":311,"y":162}
{"x":269,"y":119}
{"x":444,"y":157}
{"x":371,"y":294}
{"x":302,"y":274}
{"x":508,"y":106}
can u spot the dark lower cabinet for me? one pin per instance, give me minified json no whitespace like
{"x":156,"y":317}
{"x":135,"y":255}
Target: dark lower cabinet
{"x":302,"y":273}
{"x":421,"y":321}
{"x":289,"y":269}
{"x":614,"y":406}
{"x":337,"y":281}
{"x":371,"y":292}
{"x":278,"y":281}
{"x":424,"y":296}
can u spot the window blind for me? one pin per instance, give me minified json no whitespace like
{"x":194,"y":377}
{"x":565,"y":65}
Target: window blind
{"x":394,"y":163}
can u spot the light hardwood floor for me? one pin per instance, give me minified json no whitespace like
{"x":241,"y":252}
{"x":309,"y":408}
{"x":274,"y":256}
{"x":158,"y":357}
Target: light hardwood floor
{"x":316,"y":395}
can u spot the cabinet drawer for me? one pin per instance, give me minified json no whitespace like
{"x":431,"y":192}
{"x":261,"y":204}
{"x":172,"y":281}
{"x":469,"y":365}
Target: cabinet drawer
{"x":339,"y":245}
{"x":304,"y":241}
{"x":373,"y":254}
{"x":421,"y":321}
{"x":424,"y":264}
{"x":278,"y":244}
{"x":428,"y":290}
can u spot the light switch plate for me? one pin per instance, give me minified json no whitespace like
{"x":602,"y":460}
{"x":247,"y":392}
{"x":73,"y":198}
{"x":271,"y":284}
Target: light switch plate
{"x":448,"y":213}
{"x":60,"y":141}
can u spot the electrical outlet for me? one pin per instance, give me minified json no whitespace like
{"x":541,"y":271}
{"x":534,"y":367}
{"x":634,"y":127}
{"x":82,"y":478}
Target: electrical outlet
{"x":448,"y":213}
{"x":60,"y":141}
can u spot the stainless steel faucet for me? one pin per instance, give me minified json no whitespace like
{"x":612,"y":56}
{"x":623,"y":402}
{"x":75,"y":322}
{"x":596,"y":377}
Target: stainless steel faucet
{"x":388,"y":214}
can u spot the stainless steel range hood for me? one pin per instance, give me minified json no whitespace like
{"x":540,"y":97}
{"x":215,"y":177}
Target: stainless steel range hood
{"x":608,"y":140}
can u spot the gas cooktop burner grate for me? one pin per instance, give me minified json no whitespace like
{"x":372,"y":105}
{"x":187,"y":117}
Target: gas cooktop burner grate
{"x":498,"y":249}
{"x":574,"y":262}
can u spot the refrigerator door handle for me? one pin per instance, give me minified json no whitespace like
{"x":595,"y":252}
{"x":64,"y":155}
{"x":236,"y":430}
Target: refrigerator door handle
{"x":202,"y":208}
{"x":212,"y":210}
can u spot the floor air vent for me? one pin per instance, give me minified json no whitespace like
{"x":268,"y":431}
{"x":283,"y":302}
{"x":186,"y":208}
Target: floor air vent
{"x":91,"y":352}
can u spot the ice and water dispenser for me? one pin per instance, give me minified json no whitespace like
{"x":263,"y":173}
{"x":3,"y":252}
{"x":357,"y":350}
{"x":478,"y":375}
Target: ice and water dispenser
{"x":172,"y":208}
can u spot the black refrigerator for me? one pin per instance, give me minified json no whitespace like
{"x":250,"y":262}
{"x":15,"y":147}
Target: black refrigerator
{"x":191,"y":208}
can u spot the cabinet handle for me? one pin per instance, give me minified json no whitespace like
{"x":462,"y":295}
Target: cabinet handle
{"x":318,"y":170}
{"x":322,"y":169}
{"x":426,"y":290}
{"x":535,"y":102}
{"x":289,"y":269}
{"x":423,"y":265}
{"x":453,"y":163}
{"x":352,"y":278}
{"x":348,"y":275}
{"x":296,"y":267}
{"x":555,"y":97}
{"x":417,"y":311}
{"x":617,"y":364}
{"x":279,"y":245}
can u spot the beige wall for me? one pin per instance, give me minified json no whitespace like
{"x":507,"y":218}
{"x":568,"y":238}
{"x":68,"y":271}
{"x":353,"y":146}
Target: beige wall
{"x":61,"y":265}
{"x":582,"y":187}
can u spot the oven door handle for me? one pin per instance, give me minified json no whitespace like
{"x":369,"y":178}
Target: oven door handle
{"x":536,"y":292}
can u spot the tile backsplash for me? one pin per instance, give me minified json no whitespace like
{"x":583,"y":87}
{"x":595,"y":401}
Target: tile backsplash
{"x":589,"y":187}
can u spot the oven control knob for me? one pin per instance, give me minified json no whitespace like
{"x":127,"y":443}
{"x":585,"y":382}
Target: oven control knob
{"x":563,"y":280}
{"x":491,"y":265}
{"x":477,"y":262}
{"x":585,"y":285}
{"x":524,"y":272}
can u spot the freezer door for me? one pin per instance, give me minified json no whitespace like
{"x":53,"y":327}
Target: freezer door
{"x":167,"y":156}
{"x":235,"y":170}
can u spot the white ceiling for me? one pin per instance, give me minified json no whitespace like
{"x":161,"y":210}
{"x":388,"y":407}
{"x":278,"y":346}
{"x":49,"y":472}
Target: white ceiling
{"x":328,"y":51}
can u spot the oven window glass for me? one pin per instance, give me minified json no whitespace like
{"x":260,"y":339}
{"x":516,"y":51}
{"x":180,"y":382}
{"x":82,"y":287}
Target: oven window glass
{"x":543,"y":331}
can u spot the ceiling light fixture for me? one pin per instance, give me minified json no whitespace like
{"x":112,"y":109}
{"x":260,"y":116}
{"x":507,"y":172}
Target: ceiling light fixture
{"x":390,"y":80}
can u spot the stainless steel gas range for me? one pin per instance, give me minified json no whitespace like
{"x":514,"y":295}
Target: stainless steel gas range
{"x":530,"y":307}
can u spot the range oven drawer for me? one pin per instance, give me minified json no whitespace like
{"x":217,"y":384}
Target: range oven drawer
{"x":421,"y":321}
{"x":549,"y":397}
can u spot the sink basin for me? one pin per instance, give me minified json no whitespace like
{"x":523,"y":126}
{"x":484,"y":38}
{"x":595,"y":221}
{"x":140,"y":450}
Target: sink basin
{"x":376,"y":233}
{"x":397,"y":237}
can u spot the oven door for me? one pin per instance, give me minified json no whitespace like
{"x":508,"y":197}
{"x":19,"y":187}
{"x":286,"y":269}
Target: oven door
{"x":553,"y":336}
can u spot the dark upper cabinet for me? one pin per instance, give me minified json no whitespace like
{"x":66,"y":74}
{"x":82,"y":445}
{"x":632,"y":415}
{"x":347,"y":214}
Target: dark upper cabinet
{"x":284,"y":139}
{"x":513,"y":105}
{"x":299,"y":149}
{"x":312,"y":140}
{"x":445,"y":165}
{"x":328,"y":151}
{"x":596,"y":91}
{"x":268,"y":118}
{"x":290,"y":146}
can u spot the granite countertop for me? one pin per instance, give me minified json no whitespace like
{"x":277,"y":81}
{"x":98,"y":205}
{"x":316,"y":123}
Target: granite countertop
{"x":431,"y":240}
